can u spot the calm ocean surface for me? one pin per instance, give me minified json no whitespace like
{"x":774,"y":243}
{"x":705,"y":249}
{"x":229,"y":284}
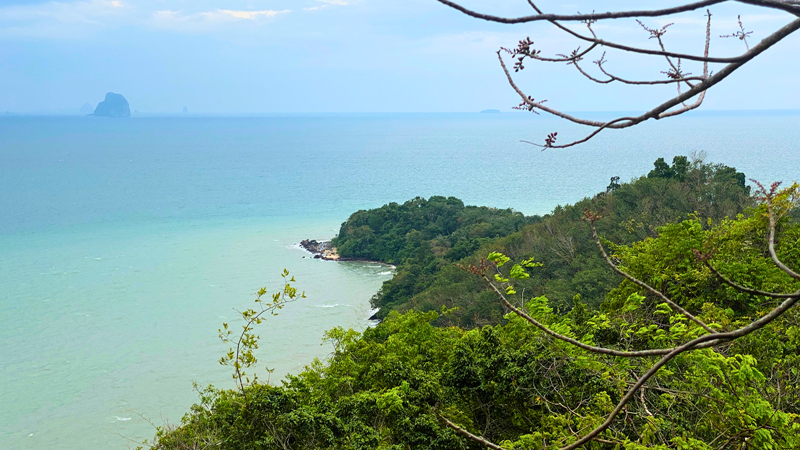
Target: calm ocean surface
{"x":124,"y":244}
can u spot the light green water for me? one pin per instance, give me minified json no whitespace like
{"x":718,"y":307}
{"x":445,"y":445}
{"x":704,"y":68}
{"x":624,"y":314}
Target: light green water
{"x":125,"y":319}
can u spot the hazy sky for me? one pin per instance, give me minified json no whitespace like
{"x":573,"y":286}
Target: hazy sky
{"x":262,"y":56}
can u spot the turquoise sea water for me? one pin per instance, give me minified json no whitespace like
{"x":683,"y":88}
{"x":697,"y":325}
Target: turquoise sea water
{"x":124,"y":244}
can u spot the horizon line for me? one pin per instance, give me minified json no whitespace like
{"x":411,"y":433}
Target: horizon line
{"x":488,"y":112}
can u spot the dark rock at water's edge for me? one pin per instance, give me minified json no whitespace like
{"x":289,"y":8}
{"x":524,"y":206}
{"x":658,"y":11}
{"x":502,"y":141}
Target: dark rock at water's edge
{"x":320,"y":249}
{"x":490,"y":111}
{"x":324,"y":250}
{"x":87,"y":109}
{"x":114,"y":105}
{"x":314,"y":246}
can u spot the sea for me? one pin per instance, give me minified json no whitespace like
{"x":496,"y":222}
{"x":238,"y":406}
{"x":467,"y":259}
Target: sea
{"x":126,"y":243}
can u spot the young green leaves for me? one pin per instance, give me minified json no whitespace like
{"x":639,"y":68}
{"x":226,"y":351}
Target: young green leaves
{"x":517,"y":271}
{"x":243,"y":356}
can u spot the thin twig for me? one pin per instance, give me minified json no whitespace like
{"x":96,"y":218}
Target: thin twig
{"x":644,"y":285}
{"x":739,"y":287}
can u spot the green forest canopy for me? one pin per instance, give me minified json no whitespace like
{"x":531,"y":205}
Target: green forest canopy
{"x":510,"y":383}
{"x":424,"y":237}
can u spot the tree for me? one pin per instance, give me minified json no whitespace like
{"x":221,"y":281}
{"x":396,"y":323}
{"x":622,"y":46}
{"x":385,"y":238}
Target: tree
{"x":776,"y":202}
{"x":696,"y":85}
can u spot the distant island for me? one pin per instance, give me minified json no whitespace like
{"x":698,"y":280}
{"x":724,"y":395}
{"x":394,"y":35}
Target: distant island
{"x":86,"y":109}
{"x":490,"y":111}
{"x":114,"y":105}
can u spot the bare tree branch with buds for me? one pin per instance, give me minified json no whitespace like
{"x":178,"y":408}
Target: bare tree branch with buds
{"x":684,"y":101}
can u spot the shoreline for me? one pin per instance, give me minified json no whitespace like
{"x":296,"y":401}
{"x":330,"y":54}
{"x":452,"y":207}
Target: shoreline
{"x":325,"y":251}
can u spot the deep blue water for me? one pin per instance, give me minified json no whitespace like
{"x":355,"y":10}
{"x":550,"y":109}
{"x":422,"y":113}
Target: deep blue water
{"x":125,"y":243}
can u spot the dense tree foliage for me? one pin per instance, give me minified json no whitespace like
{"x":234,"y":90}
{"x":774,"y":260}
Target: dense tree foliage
{"x":424,"y":237}
{"x":393,"y":233}
{"x":516,"y":386}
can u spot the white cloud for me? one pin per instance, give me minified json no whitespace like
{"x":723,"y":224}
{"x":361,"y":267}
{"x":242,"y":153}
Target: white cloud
{"x":81,"y":11}
{"x":60,"y":19}
{"x":326,"y":4}
{"x":249,"y":15}
{"x":83,"y":18}
{"x":209,"y":20}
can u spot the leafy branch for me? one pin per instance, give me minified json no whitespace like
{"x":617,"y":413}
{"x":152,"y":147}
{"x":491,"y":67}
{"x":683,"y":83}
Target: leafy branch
{"x":241,"y":355}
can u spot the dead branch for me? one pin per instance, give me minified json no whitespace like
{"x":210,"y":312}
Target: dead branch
{"x":697,"y":85}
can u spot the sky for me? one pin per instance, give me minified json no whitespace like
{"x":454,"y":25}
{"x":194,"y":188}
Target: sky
{"x":323,"y":56}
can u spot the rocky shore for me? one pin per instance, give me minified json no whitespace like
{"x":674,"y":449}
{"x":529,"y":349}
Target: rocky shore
{"x":324,"y":250}
{"x":321,"y":249}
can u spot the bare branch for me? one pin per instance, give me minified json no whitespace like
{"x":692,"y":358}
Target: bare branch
{"x":739,"y":287}
{"x":575,"y":342}
{"x":641,"y":283}
{"x":583,"y":17}
{"x":790,"y":6}
{"x":741,"y":34}
{"x":644,"y":51}
{"x":464,"y":432}
{"x":549,"y":143}
{"x":612,"y":77}
{"x":769,"y":196}
{"x":786,"y":5}
{"x":662,"y":110}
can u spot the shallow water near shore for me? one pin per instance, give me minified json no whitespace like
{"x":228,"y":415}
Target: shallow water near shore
{"x":125,"y":244}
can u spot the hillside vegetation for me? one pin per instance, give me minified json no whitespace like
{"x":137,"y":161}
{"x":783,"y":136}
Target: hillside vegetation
{"x":424,"y":239}
{"x":509,"y":382}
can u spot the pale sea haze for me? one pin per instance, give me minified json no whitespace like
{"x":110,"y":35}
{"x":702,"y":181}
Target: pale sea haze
{"x":125,"y":243}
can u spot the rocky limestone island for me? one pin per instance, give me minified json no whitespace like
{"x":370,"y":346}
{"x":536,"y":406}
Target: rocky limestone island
{"x":114,"y":105}
{"x":87,"y":109}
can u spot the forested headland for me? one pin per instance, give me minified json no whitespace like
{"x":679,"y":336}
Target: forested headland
{"x":516,"y":330}
{"x":423,"y":238}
